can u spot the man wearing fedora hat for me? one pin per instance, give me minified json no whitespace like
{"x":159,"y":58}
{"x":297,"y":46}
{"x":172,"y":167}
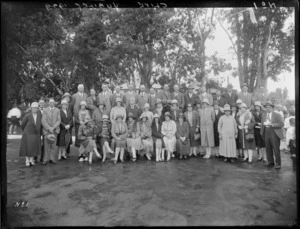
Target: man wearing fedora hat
{"x":218,"y":115}
{"x":92,"y":101}
{"x":77,"y":98}
{"x":134,"y":109}
{"x":190,"y":97}
{"x":142,"y":97}
{"x":152,"y":98}
{"x":131,"y":93}
{"x":261,"y":95}
{"x":245,"y":96}
{"x":115,"y":95}
{"x":51,"y":127}
{"x":272,"y":132}
{"x":205,"y":95}
{"x":177,"y":95}
{"x":230,"y":96}
{"x":207,"y":118}
{"x":104,"y":97}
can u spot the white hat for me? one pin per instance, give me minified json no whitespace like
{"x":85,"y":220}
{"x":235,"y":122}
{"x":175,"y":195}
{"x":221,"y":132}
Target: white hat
{"x":147,"y":105}
{"x":205,"y":101}
{"x":239,"y":101}
{"x":104,"y":117}
{"x":244,"y":105}
{"x":174,"y":101}
{"x":156,"y":116}
{"x":227,"y":107}
{"x":257,"y":103}
{"x":83,"y":103}
{"x":35,"y":104}
{"x":51,"y":100}
{"x":64,"y":102}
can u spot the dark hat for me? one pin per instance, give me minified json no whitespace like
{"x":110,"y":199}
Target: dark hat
{"x":167,"y":114}
{"x":197,"y":101}
{"x":130,"y":115}
{"x":144,"y":115}
{"x":119,"y":116}
{"x":51,"y":138}
{"x":244,"y":85}
{"x":269,"y":103}
{"x":216,"y":102}
{"x":234,"y":105}
{"x":101,"y":103}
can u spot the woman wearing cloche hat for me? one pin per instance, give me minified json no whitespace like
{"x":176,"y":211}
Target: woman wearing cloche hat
{"x":31,"y":138}
{"x":260,"y":143}
{"x":104,"y":130}
{"x":227,"y":129}
{"x":65,"y":127}
{"x":183,"y":137}
{"x":118,"y":110}
{"x":168,"y":129}
{"x":146,"y":136}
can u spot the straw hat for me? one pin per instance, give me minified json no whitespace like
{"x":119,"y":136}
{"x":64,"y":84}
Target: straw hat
{"x":158,"y":101}
{"x":119,"y":116}
{"x":104,"y":117}
{"x":269,"y":103}
{"x":143,"y":115}
{"x":66,"y":94}
{"x":205,"y":101}
{"x":147,"y":105}
{"x":239,"y":101}
{"x":130,"y":115}
{"x":174,"y":101}
{"x":35,"y":104}
{"x":83,"y":103}
{"x":244,"y":85}
{"x":156,"y":116}
{"x":64,"y":102}
{"x":226,"y":107}
{"x":243,"y":105}
{"x":257,"y":103}
{"x":118,"y":99}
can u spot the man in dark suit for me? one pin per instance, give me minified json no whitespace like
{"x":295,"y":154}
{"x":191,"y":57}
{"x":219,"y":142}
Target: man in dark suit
{"x":115,"y":95}
{"x":134,"y":109}
{"x":230,"y":96}
{"x":190,"y":97}
{"x":272,"y":132}
{"x":218,"y":114}
{"x":221,"y":100}
{"x":245,"y":96}
{"x":92,"y":101}
{"x":177,"y":95}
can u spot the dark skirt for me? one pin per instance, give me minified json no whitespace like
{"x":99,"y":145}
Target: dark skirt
{"x":243,"y":143}
{"x":77,"y":142}
{"x":260,"y":142}
{"x":154,"y":140}
{"x":14,"y":120}
{"x":216,"y":136}
{"x":61,"y":137}
{"x":120,"y":143}
{"x":193,"y":142}
{"x":183,"y":149}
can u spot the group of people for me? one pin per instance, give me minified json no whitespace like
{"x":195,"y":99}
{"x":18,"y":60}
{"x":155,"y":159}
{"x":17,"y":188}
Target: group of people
{"x":158,"y":124}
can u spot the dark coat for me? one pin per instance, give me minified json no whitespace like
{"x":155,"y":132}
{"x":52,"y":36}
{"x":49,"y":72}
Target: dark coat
{"x":65,"y":120}
{"x":222,"y":101}
{"x":216,"y":133}
{"x":188,"y":99}
{"x":230,"y":99}
{"x":31,"y":136}
{"x":136,"y":111}
{"x":156,"y":133}
{"x":277,"y":124}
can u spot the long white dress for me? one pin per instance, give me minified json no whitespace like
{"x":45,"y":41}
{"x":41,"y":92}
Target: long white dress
{"x":169,"y":128}
{"x":227,"y":128}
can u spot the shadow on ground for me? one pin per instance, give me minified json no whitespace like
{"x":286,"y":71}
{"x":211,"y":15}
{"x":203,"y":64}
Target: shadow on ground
{"x":195,"y":192}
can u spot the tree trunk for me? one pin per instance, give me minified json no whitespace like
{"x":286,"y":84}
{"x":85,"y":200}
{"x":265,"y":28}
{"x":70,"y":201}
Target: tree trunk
{"x":239,"y":56}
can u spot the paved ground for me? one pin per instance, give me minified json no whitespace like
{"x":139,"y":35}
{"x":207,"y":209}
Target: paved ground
{"x":195,"y":192}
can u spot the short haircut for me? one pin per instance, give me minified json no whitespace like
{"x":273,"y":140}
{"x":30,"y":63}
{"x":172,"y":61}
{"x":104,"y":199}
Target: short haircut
{"x":80,"y":86}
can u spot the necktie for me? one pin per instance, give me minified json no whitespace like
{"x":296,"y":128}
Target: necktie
{"x":157,"y":126}
{"x":269,"y":118}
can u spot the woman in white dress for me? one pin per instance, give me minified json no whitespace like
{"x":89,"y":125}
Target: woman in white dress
{"x":148,"y":113}
{"x":168,"y":129}
{"x":227,"y":129}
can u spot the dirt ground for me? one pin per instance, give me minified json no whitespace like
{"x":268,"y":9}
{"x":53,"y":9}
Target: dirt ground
{"x":194,"y":192}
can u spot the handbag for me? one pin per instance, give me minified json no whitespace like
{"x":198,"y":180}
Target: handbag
{"x":250,"y":137}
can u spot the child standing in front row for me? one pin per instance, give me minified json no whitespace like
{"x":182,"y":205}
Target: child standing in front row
{"x":291,"y":141}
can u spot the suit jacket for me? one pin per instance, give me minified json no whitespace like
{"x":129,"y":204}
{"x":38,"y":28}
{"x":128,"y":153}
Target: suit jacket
{"x":136,"y":111}
{"x":262,"y":97}
{"x":113,"y":98}
{"x":207,"y":96}
{"x":248,"y":99}
{"x":48,"y":121}
{"x":277,"y":124}
{"x":105,"y":99}
{"x":217,"y":117}
{"x":75,"y":102}
{"x":188,"y":99}
{"x":92,"y":103}
{"x":180,"y":99}
{"x":175,"y":113}
{"x":222,"y":101}
{"x":166,"y":95}
{"x":230,"y":99}
{"x":128,"y":95}
{"x":142,"y":99}
{"x":195,"y":119}
{"x":152,"y":100}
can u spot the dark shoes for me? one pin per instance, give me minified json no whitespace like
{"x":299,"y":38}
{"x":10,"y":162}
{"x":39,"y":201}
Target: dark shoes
{"x":52,"y":162}
{"x":269,"y":164}
{"x":232,"y":160}
{"x":44,"y":163}
{"x":225,"y":160}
